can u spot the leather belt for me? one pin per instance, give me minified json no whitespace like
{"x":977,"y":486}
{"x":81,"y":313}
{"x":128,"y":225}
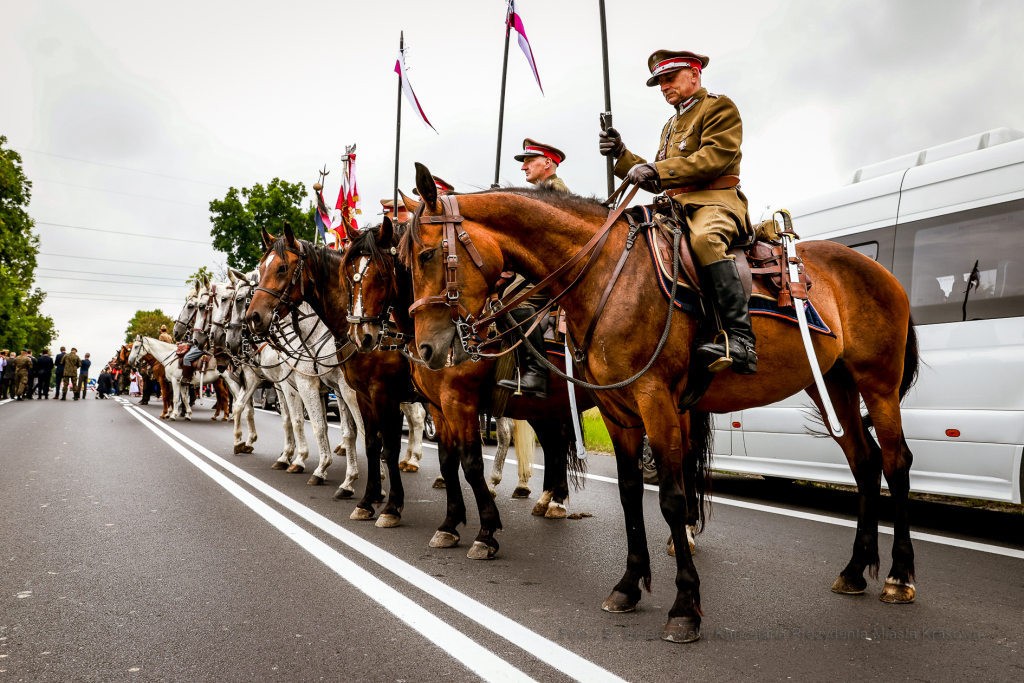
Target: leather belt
{"x":720,"y":183}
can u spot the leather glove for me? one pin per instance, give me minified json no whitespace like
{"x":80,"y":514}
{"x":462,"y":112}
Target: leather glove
{"x":610,"y":143}
{"x":645,"y":175}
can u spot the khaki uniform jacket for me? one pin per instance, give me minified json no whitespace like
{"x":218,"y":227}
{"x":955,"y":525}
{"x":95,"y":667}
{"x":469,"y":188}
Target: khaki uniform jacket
{"x":22,"y":365}
{"x":164,"y":337}
{"x":697,"y":145}
{"x":71,"y":364}
{"x":554,"y":183}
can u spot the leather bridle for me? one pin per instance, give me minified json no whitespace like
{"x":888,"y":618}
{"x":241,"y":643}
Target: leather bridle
{"x":382,"y":319}
{"x":284,"y":296}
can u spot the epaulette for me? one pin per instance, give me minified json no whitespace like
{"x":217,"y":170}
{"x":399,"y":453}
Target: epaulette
{"x":711,"y":94}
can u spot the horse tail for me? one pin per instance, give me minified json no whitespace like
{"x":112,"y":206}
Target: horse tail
{"x":911,"y":360}
{"x":702,"y":432}
{"x":575,"y":463}
{"x":526,"y":448}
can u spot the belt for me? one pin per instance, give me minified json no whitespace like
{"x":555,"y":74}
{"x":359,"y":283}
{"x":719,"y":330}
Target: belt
{"x":720,"y":183}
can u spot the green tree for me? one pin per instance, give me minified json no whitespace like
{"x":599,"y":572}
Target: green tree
{"x":238,"y":217}
{"x":146,"y":323}
{"x":198,"y":275}
{"x":21,"y":323}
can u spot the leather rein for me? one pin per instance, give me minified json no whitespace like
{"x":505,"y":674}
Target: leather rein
{"x":383,"y":319}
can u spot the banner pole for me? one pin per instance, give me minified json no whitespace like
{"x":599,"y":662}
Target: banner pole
{"x":606,"y":117}
{"x":501,"y":107}
{"x":398,"y":128}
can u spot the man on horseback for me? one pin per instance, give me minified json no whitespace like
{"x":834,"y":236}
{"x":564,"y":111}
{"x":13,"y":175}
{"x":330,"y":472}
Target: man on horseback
{"x":698,"y":166}
{"x":540,"y":162}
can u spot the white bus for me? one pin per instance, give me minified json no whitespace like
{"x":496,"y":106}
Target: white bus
{"x":928,"y":217}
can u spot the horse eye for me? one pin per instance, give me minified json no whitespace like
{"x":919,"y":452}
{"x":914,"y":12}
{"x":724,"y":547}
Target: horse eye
{"x":426,"y":256}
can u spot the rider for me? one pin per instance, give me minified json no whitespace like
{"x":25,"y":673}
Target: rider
{"x":540,"y":161}
{"x":698,"y":166}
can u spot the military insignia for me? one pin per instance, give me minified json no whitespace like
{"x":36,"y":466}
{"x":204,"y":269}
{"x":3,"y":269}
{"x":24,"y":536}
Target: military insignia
{"x":682,"y":145}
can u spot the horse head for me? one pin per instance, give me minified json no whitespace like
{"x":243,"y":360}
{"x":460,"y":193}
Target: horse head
{"x":222,"y":296}
{"x":183,"y":323}
{"x":136,"y":352}
{"x":370,"y":270}
{"x":234,"y":321}
{"x":283,"y":278}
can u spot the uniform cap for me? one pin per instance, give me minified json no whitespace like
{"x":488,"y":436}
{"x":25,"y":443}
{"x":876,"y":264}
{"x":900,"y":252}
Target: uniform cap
{"x":667,"y":61}
{"x":532,"y":148}
{"x":442,"y":186}
{"x":389,"y":204}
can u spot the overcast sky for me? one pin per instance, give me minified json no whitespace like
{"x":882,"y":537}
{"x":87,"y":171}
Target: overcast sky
{"x":218,"y":94}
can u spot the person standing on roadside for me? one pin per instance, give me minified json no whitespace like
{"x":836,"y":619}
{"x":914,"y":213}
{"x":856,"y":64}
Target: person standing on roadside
{"x":103,"y":383}
{"x":30,"y":385}
{"x":6,"y":373}
{"x":43,"y":374}
{"x":58,"y":369}
{"x":83,"y":377}
{"x":71,"y":363}
{"x":22,"y":366}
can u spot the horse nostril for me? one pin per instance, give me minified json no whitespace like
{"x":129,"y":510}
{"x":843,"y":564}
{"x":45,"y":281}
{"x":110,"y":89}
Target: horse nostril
{"x":426,"y":351}
{"x":254,"y":318}
{"x":367,"y":341}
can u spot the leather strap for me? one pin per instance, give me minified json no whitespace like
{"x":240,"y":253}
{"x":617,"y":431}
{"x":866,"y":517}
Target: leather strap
{"x":720,"y":183}
{"x":633,"y":228}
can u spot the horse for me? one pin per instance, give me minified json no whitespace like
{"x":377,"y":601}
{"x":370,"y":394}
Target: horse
{"x":158,"y":374}
{"x":166,"y":354}
{"x":873,"y":357}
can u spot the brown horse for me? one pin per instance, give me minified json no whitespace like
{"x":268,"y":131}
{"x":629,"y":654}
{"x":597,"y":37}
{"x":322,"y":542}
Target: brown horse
{"x":873,"y":357}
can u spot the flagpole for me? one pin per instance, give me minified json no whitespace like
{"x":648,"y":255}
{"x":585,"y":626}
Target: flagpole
{"x":606,"y":118}
{"x":501,"y":107}
{"x":398,"y":128}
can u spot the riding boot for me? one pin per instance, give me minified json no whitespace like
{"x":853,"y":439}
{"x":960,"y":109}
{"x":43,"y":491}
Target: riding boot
{"x":186,"y":373}
{"x":731,"y":302}
{"x":533,"y":376}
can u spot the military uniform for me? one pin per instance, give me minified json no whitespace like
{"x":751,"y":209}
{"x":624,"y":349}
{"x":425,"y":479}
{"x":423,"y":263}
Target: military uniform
{"x":71,"y":363}
{"x":22,"y":366}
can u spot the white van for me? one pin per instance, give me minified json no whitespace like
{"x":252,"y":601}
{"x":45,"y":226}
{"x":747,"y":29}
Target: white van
{"x":928,"y":217}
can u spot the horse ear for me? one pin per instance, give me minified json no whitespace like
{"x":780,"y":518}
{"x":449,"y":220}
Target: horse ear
{"x":206,"y":281}
{"x":426,"y":186}
{"x":235,"y":275}
{"x":385,"y":233}
{"x":268,"y":239}
{"x":411,"y":204}
{"x":350,"y":233}
{"x":288,"y":234}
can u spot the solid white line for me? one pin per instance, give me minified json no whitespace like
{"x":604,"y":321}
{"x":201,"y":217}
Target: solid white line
{"x":6,"y":400}
{"x":566,"y":661}
{"x":474,"y":656}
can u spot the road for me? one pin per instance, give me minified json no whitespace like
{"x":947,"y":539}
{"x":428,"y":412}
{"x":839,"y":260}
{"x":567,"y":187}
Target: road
{"x":144,"y":551}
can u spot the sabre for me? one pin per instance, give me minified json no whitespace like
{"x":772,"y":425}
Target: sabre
{"x":581,"y":448}
{"x":789,"y":244}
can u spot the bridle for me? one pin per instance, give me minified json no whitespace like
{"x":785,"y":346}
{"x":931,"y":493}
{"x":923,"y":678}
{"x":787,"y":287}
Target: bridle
{"x":203,"y":305}
{"x":284,"y":296}
{"x":213,"y":297}
{"x":189,"y":323}
{"x":400,"y":339}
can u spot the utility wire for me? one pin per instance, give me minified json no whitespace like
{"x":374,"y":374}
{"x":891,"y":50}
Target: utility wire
{"x":125,"y":297}
{"x":123,"y":168}
{"x":130,"y":234}
{"x":114,"y":260}
{"x":93,"y":272}
{"x":115,"y":282}
{"x":128,"y":194}
{"x":136,"y":302}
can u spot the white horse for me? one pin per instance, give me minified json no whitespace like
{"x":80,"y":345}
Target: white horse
{"x":166,"y":353}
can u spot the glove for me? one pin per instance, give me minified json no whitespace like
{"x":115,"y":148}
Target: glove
{"x":645,"y":175}
{"x":610,"y":143}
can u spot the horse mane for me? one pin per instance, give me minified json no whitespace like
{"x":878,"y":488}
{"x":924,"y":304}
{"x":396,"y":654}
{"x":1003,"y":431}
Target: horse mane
{"x":320,"y":257}
{"x":565,"y":201}
{"x":365,"y":244}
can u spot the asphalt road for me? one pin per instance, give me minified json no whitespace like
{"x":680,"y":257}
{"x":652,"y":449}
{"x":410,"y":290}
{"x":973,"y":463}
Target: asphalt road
{"x":131,"y":550}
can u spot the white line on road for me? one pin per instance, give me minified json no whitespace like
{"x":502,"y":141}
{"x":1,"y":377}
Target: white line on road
{"x":6,"y":400}
{"x":549,"y":652}
{"x":478,"y":659}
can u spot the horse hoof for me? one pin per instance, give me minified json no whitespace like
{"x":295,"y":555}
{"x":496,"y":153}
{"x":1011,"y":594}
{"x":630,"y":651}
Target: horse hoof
{"x":224,"y":419}
{"x":555,"y":511}
{"x":681,"y":630}
{"x":247,"y":449}
{"x":481,"y":551}
{"x":388,"y":521}
{"x":618,"y":603}
{"x":278,"y":465}
{"x":361,"y":513}
{"x":412,"y":467}
{"x":443,"y":539}
{"x":343,"y":493}
{"x":897,"y":593}
{"x":846,"y":585}
{"x":671,"y":547}
{"x":315,"y":481}
{"x":402,"y":465}
{"x":493,"y":491}
{"x":239,"y":448}
{"x":171,"y":418}
{"x":296,"y":468}
{"x":540,"y":509}
{"x":214,"y":418}
{"x":691,"y":538}
{"x":439,"y":483}
{"x":339,"y":450}
{"x":188,"y":418}
{"x":521,"y":492}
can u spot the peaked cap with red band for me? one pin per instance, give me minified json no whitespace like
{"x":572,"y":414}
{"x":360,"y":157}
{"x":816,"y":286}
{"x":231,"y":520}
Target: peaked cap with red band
{"x":532,"y":148}
{"x":667,"y":61}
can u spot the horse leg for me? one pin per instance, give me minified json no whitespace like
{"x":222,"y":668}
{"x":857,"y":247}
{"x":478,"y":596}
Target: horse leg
{"x":471,"y":457}
{"x":626,"y":594}
{"x":447,"y":535}
{"x":347,"y":449}
{"x":416,"y":415}
{"x":553,"y":440}
{"x":374,"y":494}
{"x":285,"y":459}
{"x":865,"y":459}
{"x":690,"y":487}
{"x":295,"y":405}
{"x":175,"y":397}
{"x":310,"y":388}
{"x":504,"y":441}
{"x":391,"y":515}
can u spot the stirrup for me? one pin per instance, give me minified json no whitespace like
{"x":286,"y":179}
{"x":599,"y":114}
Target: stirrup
{"x":519,"y":383}
{"x":721,"y":363}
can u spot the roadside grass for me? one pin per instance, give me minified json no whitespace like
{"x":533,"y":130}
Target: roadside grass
{"x":595,"y":434}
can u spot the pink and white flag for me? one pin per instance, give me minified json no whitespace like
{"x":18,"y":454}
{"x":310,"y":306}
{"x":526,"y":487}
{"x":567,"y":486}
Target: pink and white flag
{"x":410,"y":96}
{"x":515,"y":22}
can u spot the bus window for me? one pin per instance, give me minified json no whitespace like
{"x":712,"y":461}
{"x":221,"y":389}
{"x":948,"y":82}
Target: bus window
{"x":869,"y":249}
{"x":934,"y":259}
{"x":876,"y":244}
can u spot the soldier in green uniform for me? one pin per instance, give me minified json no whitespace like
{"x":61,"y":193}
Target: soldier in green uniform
{"x":698,"y":166}
{"x":22,"y":365}
{"x":71,"y":363}
{"x":541,"y":162}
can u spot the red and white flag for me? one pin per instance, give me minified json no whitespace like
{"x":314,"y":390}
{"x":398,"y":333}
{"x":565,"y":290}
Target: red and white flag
{"x":514,"y":21}
{"x":410,"y":96}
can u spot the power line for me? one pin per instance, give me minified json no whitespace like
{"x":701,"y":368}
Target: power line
{"x":114,"y":301}
{"x":114,"y":260}
{"x":128,"y":194}
{"x":123,"y":168}
{"x":130,"y":297}
{"x":93,"y":272}
{"x":115,"y":282}
{"x":130,"y":234}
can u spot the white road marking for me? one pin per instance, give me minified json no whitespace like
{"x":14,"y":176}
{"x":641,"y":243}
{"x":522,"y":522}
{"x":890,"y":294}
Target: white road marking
{"x":813,"y":517}
{"x":549,"y":652}
{"x":474,"y":656}
{"x":6,"y":400}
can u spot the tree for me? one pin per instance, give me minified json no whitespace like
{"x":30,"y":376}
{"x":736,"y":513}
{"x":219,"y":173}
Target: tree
{"x":238,"y":218}
{"x":146,"y":323}
{"x":20,"y":321}
{"x":199,"y":275}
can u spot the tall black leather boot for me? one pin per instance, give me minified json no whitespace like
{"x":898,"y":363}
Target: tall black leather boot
{"x":733,"y":309}
{"x":533,"y":377}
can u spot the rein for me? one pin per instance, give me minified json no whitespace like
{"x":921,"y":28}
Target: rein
{"x":401,"y":339}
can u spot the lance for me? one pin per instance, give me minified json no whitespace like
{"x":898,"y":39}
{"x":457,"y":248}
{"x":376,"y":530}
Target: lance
{"x":606,"y":117}
{"x":398,"y":127}
{"x":501,"y":107}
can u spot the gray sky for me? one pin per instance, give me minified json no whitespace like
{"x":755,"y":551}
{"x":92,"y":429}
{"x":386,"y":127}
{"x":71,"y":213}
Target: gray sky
{"x":222,"y":94}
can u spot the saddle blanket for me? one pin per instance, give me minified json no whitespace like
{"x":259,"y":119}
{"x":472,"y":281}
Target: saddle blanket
{"x":688,"y":300}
